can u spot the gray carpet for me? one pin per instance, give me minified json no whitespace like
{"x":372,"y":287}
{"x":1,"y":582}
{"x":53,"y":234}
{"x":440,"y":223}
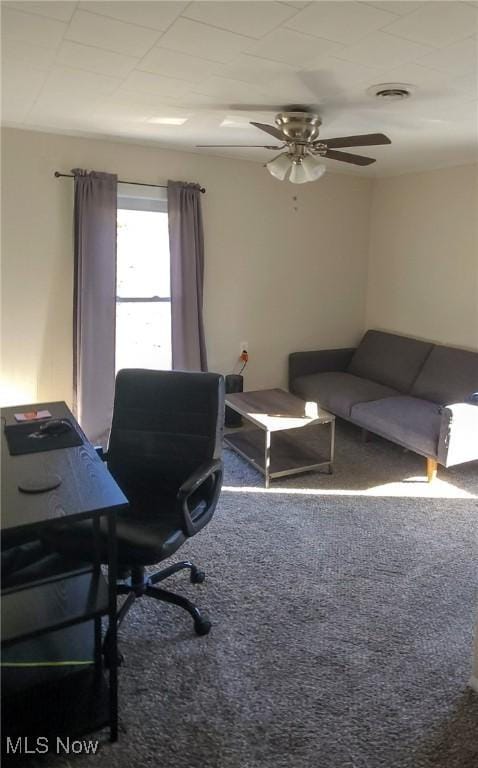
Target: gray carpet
{"x":342,"y":631}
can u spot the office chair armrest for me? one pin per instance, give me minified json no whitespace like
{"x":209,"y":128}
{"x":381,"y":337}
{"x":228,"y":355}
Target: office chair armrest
{"x":195,"y":519}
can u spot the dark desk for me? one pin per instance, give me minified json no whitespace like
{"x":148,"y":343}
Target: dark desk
{"x":87,"y":486}
{"x":87,"y":490}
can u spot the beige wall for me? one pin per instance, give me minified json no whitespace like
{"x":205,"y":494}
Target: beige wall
{"x":423,"y":268}
{"x":282,"y":274}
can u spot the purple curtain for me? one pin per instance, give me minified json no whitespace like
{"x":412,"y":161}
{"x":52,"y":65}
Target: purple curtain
{"x":186,"y":244}
{"x":94,"y":301}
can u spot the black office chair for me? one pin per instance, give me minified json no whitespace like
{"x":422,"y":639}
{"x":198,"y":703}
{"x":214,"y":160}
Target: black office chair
{"x":165,"y":454}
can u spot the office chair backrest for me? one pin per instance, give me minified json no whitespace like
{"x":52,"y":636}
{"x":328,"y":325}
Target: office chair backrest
{"x":165,"y":425}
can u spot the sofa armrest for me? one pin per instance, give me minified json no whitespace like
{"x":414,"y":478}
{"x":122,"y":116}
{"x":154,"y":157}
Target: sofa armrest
{"x":458,"y":441}
{"x":320,"y":361}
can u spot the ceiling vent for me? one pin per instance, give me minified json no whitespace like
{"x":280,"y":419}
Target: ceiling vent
{"x":391,"y":91}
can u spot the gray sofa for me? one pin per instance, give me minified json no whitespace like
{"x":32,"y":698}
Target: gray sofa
{"x":420,"y":395}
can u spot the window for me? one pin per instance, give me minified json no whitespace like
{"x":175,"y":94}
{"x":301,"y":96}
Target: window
{"x":143,"y":300}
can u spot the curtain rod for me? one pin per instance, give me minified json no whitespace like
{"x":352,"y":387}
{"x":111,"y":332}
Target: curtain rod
{"x":134,"y":183}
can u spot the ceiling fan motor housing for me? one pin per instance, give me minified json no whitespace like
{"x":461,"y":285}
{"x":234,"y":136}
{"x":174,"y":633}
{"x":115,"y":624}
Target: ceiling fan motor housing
{"x":300,"y":127}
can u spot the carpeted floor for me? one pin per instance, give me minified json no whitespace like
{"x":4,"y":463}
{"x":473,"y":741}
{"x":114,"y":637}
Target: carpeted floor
{"x":343,"y":615}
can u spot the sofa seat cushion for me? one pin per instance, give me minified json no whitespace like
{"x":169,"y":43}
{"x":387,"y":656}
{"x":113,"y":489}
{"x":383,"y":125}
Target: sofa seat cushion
{"x":389,"y":359}
{"x":409,"y":421}
{"x":338,"y":392}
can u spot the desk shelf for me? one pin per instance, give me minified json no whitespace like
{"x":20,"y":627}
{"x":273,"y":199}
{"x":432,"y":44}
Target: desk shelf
{"x":71,"y":706}
{"x":46,"y":607}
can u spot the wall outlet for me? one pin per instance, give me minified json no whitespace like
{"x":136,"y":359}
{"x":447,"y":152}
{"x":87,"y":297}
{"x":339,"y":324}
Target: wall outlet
{"x":244,"y":347}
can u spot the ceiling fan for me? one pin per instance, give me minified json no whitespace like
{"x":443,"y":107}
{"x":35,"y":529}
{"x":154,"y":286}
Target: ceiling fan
{"x":298,"y":131}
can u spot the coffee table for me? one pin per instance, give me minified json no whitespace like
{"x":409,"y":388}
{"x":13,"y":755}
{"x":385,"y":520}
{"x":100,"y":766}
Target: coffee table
{"x":277,"y":446}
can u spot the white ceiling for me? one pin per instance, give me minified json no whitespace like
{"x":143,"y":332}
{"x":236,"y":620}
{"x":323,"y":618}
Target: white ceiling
{"x":130,"y":69}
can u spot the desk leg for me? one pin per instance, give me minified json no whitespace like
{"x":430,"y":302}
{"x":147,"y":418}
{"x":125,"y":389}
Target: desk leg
{"x":97,"y":571}
{"x":332,"y":447}
{"x":112,"y":650}
{"x":267,"y":457}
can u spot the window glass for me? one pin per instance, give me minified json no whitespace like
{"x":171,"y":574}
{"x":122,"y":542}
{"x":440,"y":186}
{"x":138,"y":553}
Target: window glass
{"x":143,"y":304}
{"x":142,"y":254}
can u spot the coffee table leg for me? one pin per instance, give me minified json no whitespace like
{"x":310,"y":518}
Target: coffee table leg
{"x":332,"y":447}
{"x":267,"y":457}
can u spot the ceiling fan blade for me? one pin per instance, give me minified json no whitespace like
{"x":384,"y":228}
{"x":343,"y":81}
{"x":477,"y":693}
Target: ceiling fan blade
{"x":362,"y":140}
{"x":262,"y":146}
{"x":346,"y":157}
{"x":271,"y":129}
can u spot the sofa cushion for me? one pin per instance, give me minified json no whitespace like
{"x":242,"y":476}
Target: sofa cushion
{"x":392,"y":360}
{"x":449,"y":376}
{"x":338,"y":392}
{"x":409,"y":421}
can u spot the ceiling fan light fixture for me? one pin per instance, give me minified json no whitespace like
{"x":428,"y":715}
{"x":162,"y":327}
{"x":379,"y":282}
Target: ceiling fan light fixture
{"x":298,"y":174}
{"x":313,"y":168}
{"x":298,"y":169}
{"x":279,"y":166}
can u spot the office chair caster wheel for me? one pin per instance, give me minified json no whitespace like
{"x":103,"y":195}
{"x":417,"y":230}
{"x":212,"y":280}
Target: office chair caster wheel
{"x":197,"y":577}
{"x":202,"y":626}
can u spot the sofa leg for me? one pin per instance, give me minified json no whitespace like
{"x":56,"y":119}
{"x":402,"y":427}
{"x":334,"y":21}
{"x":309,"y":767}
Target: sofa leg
{"x":431,"y":469}
{"x":365,"y":436}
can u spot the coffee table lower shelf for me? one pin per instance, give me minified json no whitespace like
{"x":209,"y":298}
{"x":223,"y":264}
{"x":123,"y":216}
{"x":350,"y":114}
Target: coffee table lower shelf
{"x":289,"y":454}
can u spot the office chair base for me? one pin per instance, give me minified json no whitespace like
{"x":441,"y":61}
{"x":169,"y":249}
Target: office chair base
{"x":139,"y":584}
{"x":197,"y":576}
{"x":202,"y":625}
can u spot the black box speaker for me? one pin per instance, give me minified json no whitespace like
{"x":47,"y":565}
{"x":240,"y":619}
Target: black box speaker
{"x":234,"y":383}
